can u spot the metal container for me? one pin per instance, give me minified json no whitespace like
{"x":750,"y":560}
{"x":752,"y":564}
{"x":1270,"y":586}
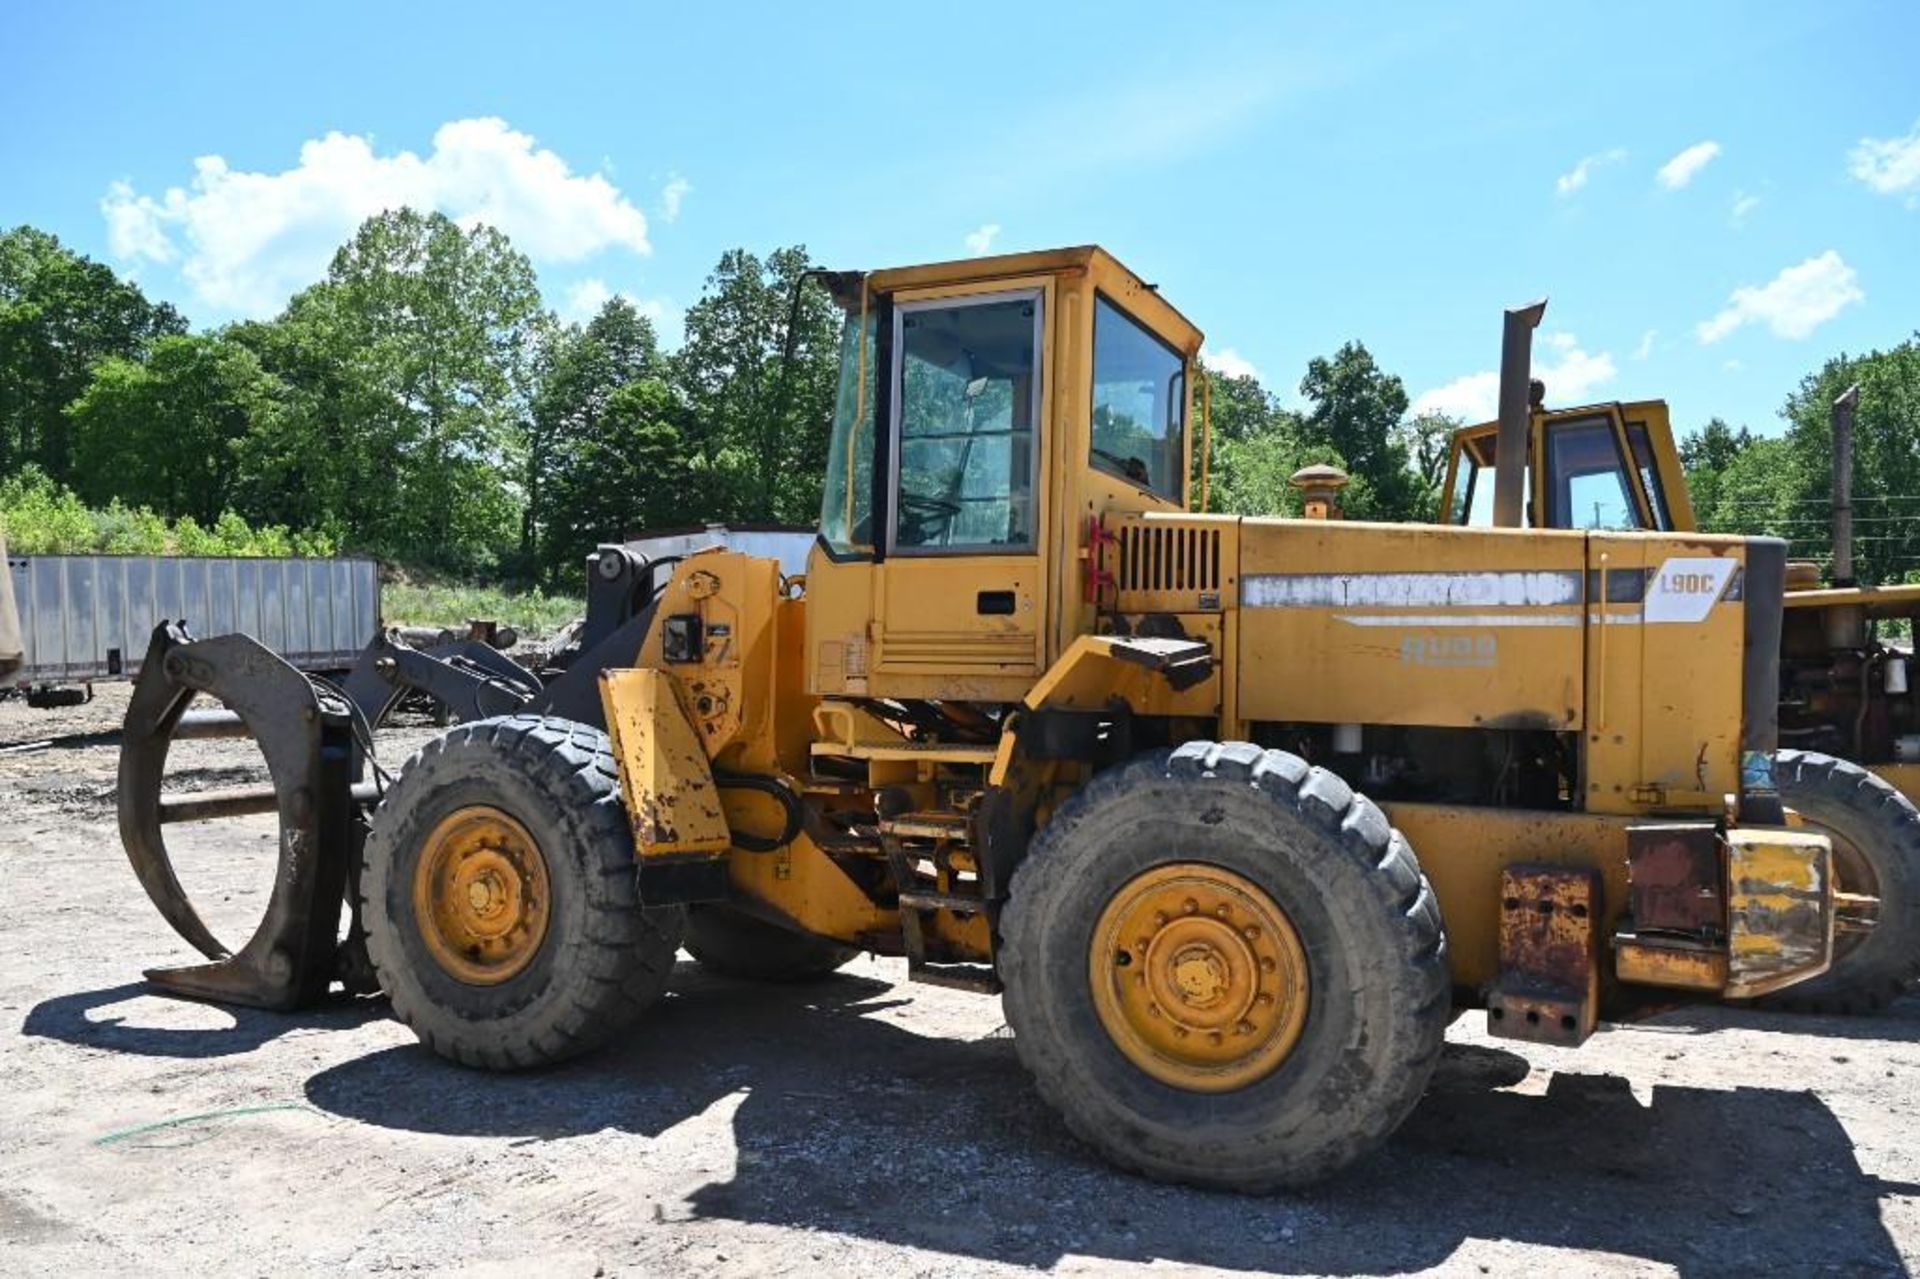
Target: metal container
{"x":89,"y":617}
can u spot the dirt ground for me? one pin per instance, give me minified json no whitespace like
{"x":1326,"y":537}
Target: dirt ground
{"x":861,"y":1126}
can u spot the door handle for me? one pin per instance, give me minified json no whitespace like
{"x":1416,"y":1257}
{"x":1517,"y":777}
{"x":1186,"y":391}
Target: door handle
{"x":994,"y":603}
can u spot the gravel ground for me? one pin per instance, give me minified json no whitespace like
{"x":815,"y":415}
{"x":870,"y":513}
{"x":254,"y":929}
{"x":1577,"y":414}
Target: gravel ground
{"x":860,"y":1126}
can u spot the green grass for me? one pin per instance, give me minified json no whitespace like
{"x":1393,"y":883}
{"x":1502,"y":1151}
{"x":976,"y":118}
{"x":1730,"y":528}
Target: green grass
{"x":533,"y":613}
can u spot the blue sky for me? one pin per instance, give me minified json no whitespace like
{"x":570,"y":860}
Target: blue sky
{"x":1716,"y":197}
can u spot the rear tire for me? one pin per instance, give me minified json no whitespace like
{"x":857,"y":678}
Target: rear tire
{"x":1882,"y":829}
{"x":1351,"y":891}
{"x":735,"y":944}
{"x":590,"y":959}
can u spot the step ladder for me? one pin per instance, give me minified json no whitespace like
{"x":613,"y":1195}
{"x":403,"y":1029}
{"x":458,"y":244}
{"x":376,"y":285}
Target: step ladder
{"x":935,"y":838}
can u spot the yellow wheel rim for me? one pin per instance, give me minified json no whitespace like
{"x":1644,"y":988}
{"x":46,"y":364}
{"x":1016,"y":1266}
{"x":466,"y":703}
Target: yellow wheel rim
{"x":1199,"y":977}
{"x":480,"y":895}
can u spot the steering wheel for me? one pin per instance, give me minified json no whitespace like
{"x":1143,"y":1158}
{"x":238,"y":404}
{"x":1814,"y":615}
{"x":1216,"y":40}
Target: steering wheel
{"x":921,"y":514}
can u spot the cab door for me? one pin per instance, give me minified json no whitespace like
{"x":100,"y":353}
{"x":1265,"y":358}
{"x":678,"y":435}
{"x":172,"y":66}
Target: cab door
{"x":959,"y":591}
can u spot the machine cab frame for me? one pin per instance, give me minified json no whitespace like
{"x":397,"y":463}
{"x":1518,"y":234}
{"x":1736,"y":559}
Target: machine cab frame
{"x":987,"y":410}
{"x":1606,"y":466}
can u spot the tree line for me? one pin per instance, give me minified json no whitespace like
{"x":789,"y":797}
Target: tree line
{"x":1782,"y":485}
{"x":421,"y":404}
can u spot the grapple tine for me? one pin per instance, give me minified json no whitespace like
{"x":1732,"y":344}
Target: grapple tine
{"x":305,"y":734}
{"x":156,"y":706}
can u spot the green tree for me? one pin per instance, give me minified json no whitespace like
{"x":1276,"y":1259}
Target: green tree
{"x":630,"y":472}
{"x":167,"y":433}
{"x":1257,"y":446}
{"x":1429,"y":442}
{"x":1783,"y":485}
{"x":580,"y":490}
{"x":1707,"y":455}
{"x":1356,"y":413}
{"x":1886,"y":460}
{"x":758,"y":431}
{"x":1240,"y":407}
{"x":1714,"y":446}
{"x":60,"y":314}
{"x":413,"y":366}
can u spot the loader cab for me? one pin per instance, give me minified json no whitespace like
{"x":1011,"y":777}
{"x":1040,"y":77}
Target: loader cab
{"x":1600,"y":466}
{"x":987,"y":410}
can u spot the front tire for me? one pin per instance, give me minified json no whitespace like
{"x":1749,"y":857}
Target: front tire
{"x":500,"y":901}
{"x":1141,"y":883}
{"x":1876,"y":837}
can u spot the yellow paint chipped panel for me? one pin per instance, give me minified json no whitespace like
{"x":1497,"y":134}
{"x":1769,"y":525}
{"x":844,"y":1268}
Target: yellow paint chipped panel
{"x":1780,"y":909}
{"x":665,"y":778}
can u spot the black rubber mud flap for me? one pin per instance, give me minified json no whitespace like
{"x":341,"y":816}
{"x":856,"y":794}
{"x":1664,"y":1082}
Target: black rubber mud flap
{"x":306,"y":733}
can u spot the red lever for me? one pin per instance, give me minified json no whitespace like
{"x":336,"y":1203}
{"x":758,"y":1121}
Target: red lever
{"x":1098,"y":579}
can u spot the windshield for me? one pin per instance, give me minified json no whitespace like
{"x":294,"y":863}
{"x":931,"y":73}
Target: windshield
{"x":846,"y":506}
{"x":1139,"y":404}
{"x":1586,"y":479}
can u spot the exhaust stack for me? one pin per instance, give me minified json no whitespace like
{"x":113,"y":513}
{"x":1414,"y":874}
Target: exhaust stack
{"x":1843,"y":408}
{"x":1516,"y":413}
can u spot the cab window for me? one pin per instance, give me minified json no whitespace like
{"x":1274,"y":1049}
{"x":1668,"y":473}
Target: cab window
{"x":1471,"y":502}
{"x":846,"y":505}
{"x":1586,"y":479}
{"x":1649,"y":475}
{"x":965,"y":405}
{"x":1139,"y":404}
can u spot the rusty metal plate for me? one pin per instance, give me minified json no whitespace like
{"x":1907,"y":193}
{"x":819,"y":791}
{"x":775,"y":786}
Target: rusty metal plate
{"x":1548,"y":990}
{"x":1674,"y":874}
{"x":1780,"y":916}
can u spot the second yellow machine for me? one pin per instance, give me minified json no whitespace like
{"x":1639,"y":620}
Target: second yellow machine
{"x":1235,"y":813}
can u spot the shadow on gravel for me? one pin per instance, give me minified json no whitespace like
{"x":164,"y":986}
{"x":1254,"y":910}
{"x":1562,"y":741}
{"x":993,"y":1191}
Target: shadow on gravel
{"x":1899,"y":1024}
{"x":854,"y":1125}
{"x":67,"y":1018}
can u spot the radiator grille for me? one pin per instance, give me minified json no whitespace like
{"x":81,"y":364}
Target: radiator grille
{"x":1169,"y":558}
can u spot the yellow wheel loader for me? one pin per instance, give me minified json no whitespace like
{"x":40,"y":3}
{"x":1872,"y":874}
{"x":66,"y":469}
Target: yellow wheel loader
{"x":1234,"y":814}
{"x":1845,"y":689}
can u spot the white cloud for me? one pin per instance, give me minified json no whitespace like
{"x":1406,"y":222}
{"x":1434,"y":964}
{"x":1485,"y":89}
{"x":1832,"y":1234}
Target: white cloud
{"x":1228,"y":362}
{"x":1792,"y":304}
{"x":246,"y":241}
{"x":1576,"y":177}
{"x":1890,"y":166}
{"x":1743,"y":205}
{"x":1645,"y":348}
{"x":1682,"y":169}
{"x":1734,"y":366}
{"x":672,"y":196}
{"x":1570,"y":372}
{"x":980,"y":240}
{"x":132,"y":232}
{"x":582,"y":300}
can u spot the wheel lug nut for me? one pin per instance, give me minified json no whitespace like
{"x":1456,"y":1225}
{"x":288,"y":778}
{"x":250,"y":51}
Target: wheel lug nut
{"x":1250,"y":932}
{"x":1180,"y":1032}
{"x":1159,"y":919}
{"x":1263,"y":998}
{"x":1190,"y":906}
{"x":1222,"y":910}
{"x":1267,"y":965}
{"x":1244,"y":1028}
{"x":1216,"y":1037}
